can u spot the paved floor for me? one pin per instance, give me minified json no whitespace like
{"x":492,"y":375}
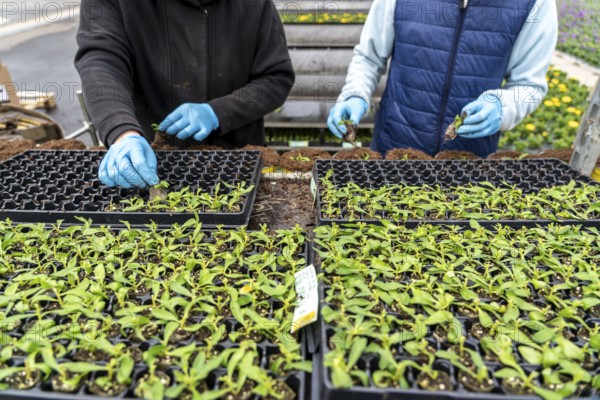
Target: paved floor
{"x":575,"y":68}
{"x":39,"y":54}
{"x":21,"y":15}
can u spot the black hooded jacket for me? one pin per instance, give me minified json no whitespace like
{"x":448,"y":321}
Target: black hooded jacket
{"x":140,"y":59}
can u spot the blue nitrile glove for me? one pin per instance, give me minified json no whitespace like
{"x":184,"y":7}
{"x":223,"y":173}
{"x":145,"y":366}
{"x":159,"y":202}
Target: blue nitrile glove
{"x":130,"y":162}
{"x":484,"y":118}
{"x":191,"y":120}
{"x":353,"y":109}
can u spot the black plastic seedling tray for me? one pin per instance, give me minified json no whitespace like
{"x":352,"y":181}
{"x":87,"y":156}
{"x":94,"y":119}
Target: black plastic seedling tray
{"x":322,"y":388}
{"x":529,"y":175}
{"x":321,"y":379}
{"x":46,"y":186}
{"x":298,"y":380}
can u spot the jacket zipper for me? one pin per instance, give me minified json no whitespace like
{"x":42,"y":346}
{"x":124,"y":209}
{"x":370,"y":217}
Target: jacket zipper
{"x":209,"y":54}
{"x":169,"y":61}
{"x":463,"y":4}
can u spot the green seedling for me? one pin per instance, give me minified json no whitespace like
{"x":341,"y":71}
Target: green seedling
{"x":186,"y":200}
{"x":481,"y":201}
{"x":396,"y":293}
{"x":159,"y":192}
{"x":450,"y":133}
{"x":351,"y":131}
{"x":92,"y":280}
{"x":301,"y":158}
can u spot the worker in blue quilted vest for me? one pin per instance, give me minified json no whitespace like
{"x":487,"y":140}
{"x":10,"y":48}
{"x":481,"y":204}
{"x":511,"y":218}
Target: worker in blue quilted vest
{"x":485,"y":58}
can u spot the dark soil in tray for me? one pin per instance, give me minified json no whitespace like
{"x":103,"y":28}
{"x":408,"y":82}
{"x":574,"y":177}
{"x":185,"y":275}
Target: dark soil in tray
{"x":562,"y":155}
{"x":359,"y":153}
{"x":301,"y":160}
{"x":506,"y":155}
{"x":456,"y":155}
{"x":407,"y":154}
{"x":62,"y":144}
{"x":162,"y":141}
{"x":270,"y":157}
{"x":10,"y":148}
{"x":165,"y":142}
{"x":200,"y":146}
{"x":164,"y":147}
{"x":283,"y":204}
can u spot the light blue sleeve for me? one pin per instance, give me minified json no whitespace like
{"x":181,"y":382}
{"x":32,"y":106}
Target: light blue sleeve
{"x":525,"y":76}
{"x":372,"y":53}
{"x":528,"y":65}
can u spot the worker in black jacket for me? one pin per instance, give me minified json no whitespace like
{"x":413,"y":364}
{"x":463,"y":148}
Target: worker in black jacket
{"x":208,"y":69}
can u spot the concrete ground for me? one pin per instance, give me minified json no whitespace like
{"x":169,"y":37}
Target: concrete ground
{"x":37,"y":44}
{"x":575,"y":68}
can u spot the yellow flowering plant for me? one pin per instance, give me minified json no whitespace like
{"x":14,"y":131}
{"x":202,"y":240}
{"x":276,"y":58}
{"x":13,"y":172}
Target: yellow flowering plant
{"x":333,"y":17}
{"x":554,"y":124}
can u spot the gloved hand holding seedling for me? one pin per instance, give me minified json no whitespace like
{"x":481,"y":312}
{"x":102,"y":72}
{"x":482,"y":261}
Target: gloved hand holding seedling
{"x":344,"y":118}
{"x":161,"y":139}
{"x":350,"y":135}
{"x":451,"y":131}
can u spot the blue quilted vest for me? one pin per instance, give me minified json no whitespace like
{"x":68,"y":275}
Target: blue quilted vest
{"x":445,"y":55}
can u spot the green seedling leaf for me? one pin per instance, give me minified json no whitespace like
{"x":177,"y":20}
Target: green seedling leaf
{"x":589,"y":302}
{"x":340,"y":378}
{"x":550,"y":357}
{"x":506,"y":373}
{"x":413,"y":348}
{"x":356,"y":351}
{"x":439,"y":318}
{"x":547,"y":394}
{"x":485,"y":319}
{"x":164,"y":315}
{"x":170,"y":328}
{"x":530,"y":355}
{"x":125,"y":369}
{"x":100,"y":273}
{"x":544,"y":335}
{"x":468,"y":294}
{"x":512,"y":313}
{"x":362,"y":376}
{"x":570,"y":350}
{"x":82,"y":367}
{"x":595,"y":342}
{"x":6,"y":372}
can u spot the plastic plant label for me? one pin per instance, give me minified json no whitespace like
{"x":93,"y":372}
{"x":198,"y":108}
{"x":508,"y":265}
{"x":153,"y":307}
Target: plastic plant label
{"x":346,"y":145}
{"x":313,"y":187}
{"x":298,"y":143}
{"x":307,"y":289}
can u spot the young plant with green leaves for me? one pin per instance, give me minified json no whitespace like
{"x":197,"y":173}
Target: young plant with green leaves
{"x":83,"y":303}
{"x":492,"y":303}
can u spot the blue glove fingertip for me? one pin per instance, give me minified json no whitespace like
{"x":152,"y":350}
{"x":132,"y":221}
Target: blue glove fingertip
{"x":199,"y":136}
{"x":183,"y":135}
{"x":153,"y":180}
